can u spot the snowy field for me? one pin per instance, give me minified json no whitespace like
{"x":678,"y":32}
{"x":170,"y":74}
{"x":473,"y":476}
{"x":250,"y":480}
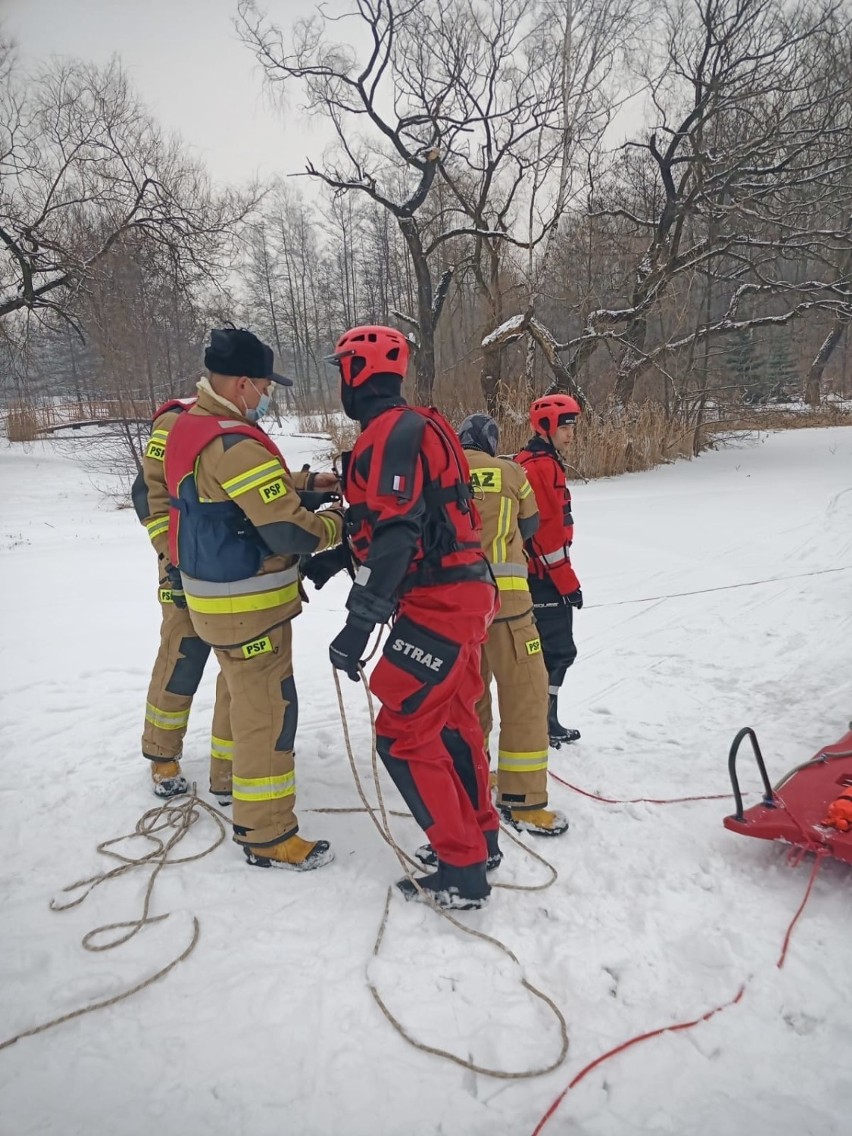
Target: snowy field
{"x":658,"y":915}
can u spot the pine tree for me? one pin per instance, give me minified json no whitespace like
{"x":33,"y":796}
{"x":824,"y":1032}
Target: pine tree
{"x":746,"y":368}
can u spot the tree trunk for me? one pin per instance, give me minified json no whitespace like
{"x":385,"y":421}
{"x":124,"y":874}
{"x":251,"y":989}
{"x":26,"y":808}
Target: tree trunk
{"x":425,"y":380}
{"x":813,"y":389}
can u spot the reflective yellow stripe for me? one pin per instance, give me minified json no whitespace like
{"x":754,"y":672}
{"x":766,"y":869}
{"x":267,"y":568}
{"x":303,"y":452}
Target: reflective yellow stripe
{"x":525,"y":490}
{"x":264,"y":788}
{"x":512,"y":584}
{"x":253,"y":478}
{"x":529,"y":762}
{"x":156,"y":526}
{"x":166,"y":719}
{"x":159,"y":433}
{"x":236,"y":604}
{"x":221,"y":748}
{"x":499,"y":551}
{"x":331,"y":526}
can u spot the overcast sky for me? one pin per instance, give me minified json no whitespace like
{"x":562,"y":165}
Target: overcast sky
{"x":187,"y":64}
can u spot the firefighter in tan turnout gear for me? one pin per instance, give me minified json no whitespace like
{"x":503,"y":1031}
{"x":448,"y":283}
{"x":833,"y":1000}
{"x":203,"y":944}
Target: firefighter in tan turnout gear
{"x":182,"y":655}
{"x":237,"y":526}
{"x":512,"y":652}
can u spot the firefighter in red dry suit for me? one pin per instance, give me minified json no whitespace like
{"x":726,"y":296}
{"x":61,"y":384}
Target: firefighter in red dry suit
{"x":554,"y":586}
{"x":414,"y":533}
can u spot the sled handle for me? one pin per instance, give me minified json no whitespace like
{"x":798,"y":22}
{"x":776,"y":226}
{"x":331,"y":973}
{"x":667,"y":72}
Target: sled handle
{"x":768,"y":796}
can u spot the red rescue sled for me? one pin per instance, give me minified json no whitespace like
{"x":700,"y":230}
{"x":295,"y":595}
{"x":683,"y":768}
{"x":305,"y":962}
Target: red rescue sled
{"x":794,"y":811}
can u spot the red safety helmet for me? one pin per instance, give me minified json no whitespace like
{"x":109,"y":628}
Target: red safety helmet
{"x":366,"y":351}
{"x":551,"y":411}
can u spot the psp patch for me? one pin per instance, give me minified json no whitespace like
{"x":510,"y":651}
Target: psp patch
{"x":257,"y":647}
{"x":533,"y":646}
{"x":272,"y":491}
{"x":155,"y":450}
{"x":166,"y":595}
{"x":421,"y":653}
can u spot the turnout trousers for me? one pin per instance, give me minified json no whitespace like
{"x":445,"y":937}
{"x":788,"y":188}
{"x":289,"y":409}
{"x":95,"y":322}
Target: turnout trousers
{"x":177,"y":672}
{"x":512,"y":655}
{"x":264,"y":716}
{"x":555,"y":621}
{"x":428,"y":734}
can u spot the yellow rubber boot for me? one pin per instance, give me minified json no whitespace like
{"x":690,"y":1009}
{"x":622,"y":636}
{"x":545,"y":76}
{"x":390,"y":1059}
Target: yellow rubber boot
{"x":168,"y":779}
{"x":295,"y":854}
{"x":540,"y":822}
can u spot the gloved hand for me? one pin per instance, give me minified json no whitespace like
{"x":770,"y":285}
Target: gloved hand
{"x":314,"y":499}
{"x":176,"y":585}
{"x":575,"y":599}
{"x":320,"y":567}
{"x":348,"y":647}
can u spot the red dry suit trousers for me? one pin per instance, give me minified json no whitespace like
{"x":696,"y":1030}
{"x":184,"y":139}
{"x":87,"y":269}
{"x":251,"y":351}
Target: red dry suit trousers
{"x":428,"y":733}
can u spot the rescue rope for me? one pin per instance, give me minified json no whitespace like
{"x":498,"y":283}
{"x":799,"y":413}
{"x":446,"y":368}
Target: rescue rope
{"x":682,"y":1025}
{"x":383,"y":828}
{"x":723,"y":587}
{"x":636,"y":800}
{"x":178,"y":818}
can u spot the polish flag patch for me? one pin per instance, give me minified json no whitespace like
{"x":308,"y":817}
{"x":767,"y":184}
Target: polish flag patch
{"x":399,"y":484}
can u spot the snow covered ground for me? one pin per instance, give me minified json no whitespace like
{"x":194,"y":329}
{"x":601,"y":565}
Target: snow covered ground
{"x":658,"y":914}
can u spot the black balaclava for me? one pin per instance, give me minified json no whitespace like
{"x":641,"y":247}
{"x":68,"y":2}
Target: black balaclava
{"x":480,"y":432}
{"x":379,"y":393}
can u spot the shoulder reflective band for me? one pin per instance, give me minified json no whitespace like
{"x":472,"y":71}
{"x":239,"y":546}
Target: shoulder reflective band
{"x":525,"y":490}
{"x":253,"y":478}
{"x":157,"y":445}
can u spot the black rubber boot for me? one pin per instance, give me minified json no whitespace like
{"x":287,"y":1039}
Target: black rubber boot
{"x":456,"y":889}
{"x":428,"y":857}
{"x":559,"y":734}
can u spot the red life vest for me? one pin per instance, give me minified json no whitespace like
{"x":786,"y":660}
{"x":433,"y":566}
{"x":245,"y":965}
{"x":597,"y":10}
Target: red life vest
{"x":548,"y":549}
{"x":210,"y":540}
{"x":449,"y":548}
{"x":178,"y":404}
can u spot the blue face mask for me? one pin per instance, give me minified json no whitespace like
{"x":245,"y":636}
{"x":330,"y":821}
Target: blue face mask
{"x":262,"y":408}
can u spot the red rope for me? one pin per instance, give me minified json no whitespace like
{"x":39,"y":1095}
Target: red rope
{"x":627,"y":1045}
{"x":636,"y":800}
{"x":681,"y":1025}
{"x":814,"y":870}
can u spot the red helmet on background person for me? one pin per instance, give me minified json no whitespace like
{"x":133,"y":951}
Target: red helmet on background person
{"x":370,"y":350}
{"x":553,"y":410}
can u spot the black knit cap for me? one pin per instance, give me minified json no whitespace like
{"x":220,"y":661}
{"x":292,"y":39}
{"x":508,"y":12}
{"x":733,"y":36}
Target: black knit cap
{"x":236,"y":351}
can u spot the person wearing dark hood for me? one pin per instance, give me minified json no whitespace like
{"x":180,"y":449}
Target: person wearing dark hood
{"x":238,"y":523}
{"x":414,"y":534}
{"x":512,"y":652}
{"x":555,"y":589}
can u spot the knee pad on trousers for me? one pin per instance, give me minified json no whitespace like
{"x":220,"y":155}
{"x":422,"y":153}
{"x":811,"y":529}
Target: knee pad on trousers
{"x":401,"y":775}
{"x":189,"y":668}
{"x":287,"y":737}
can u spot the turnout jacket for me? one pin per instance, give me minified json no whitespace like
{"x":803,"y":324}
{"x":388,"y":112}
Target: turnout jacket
{"x":149,"y":493}
{"x":237,"y":524}
{"x":549,"y":549}
{"x":510,"y":516}
{"x":411,"y":520}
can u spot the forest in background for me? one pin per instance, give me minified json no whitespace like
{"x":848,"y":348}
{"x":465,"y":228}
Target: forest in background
{"x":648,"y":206}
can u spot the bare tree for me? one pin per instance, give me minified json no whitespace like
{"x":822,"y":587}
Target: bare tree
{"x":82,"y":166}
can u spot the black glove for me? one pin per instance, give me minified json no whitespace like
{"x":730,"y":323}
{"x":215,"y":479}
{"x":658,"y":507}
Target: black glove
{"x":313,"y":499}
{"x":347,"y":648}
{"x":176,"y":585}
{"x":320,"y":568}
{"x":575,"y":599}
